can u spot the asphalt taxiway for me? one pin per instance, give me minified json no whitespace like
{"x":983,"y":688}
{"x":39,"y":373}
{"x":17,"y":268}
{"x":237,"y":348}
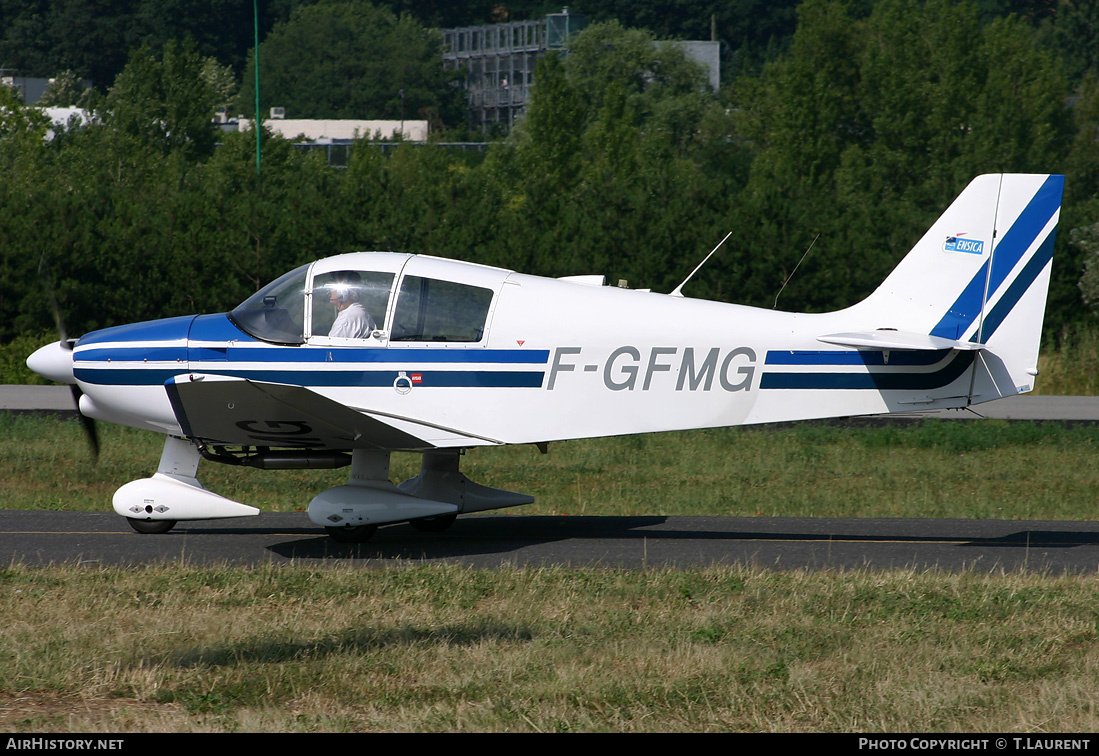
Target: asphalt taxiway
{"x":103,"y":538}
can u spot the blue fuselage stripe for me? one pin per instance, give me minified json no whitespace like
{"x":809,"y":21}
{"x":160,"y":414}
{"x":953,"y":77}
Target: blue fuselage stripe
{"x":133,"y":354}
{"x":878,"y":381}
{"x":860,"y":357}
{"x":361,"y":378}
{"x":161,"y":353}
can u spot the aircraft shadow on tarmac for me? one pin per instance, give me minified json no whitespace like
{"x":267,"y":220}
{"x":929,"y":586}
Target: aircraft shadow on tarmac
{"x":494,"y":535}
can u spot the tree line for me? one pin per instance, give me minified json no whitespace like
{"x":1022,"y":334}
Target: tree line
{"x":626,"y":164}
{"x":92,"y":38}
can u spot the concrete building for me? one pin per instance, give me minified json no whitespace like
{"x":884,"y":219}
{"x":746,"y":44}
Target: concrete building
{"x":330,"y":130}
{"x":28,"y":88}
{"x":499,"y":61}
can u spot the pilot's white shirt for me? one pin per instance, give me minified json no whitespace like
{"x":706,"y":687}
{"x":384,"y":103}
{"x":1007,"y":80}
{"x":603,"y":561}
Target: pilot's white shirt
{"x":352,"y":323}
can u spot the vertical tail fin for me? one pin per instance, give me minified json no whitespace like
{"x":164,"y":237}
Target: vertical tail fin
{"x":1018,"y":283}
{"x":980,"y":276}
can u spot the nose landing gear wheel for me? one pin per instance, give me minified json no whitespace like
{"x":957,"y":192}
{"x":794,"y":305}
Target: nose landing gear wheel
{"x":149,"y":527}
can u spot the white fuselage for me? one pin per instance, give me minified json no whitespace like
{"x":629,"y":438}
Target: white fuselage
{"x":557,"y":360}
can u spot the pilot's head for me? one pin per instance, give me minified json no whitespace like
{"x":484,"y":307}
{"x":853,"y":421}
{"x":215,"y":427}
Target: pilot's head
{"x":344,"y":290}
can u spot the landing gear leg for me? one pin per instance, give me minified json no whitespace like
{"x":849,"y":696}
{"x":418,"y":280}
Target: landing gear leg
{"x":440,"y":480}
{"x":430,"y":502}
{"x":351,"y":513}
{"x":179,"y":459}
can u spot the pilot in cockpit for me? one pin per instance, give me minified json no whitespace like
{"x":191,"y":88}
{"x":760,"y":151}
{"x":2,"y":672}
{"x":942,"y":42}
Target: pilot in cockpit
{"x":352,"y":319}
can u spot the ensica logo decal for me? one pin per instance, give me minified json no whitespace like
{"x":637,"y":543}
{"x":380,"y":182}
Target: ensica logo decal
{"x":958,"y":244}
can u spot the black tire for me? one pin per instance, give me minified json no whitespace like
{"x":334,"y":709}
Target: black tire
{"x":436,"y":524}
{"x":357,"y":534}
{"x":149,"y":527}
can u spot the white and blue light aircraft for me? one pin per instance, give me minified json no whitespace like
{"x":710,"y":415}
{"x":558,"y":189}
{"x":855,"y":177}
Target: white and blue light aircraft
{"x":347,"y":359}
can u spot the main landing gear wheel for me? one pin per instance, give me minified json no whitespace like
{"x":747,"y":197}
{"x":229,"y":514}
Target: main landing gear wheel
{"x":151,"y":526}
{"x":357,"y":534}
{"x":436,"y":524}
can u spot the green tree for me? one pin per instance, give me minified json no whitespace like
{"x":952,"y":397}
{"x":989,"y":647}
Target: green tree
{"x":222,"y":81}
{"x":166,"y":104}
{"x":22,"y":150}
{"x":94,"y":37}
{"x":64,"y":91}
{"x":548,"y":139}
{"x":21,"y":128}
{"x":1070,"y":30}
{"x":1086,"y":240}
{"x":1082,"y":179}
{"x":606,"y":175}
{"x":660,"y":85}
{"x":354,"y":60}
{"x":871,"y":126}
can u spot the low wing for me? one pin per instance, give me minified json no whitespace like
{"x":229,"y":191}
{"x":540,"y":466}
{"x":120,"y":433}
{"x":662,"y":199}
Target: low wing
{"x":888,"y":339}
{"x":237,"y":411}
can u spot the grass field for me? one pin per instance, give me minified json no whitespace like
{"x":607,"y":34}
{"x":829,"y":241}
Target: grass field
{"x":429,"y":648}
{"x":444,"y":648}
{"x":986,"y":469}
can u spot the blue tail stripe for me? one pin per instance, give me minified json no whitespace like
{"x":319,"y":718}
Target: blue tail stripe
{"x":1016,"y":290}
{"x":963,"y":313}
{"x":1006,"y":255}
{"x":1024,"y":231}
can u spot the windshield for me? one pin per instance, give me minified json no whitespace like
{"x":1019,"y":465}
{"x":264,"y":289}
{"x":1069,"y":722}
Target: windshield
{"x":277,"y":311}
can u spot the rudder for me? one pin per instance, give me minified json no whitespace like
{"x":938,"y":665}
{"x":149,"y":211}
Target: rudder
{"x":1013,"y":307}
{"x":980,"y":276}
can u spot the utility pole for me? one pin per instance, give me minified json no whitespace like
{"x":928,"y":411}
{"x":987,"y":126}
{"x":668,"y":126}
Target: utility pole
{"x":256,"y":121}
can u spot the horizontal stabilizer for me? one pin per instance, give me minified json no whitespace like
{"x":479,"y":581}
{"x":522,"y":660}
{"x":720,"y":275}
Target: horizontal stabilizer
{"x":897,"y":341}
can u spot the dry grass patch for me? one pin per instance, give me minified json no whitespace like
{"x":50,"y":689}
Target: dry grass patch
{"x":439,"y":648}
{"x":45,"y":711}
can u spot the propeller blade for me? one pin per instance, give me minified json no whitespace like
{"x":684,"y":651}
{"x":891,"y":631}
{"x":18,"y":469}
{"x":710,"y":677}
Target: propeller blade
{"x":90,"y":432}
{"x":47,"y":283}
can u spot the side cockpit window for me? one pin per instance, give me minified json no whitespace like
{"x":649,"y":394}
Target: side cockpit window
{"x":350,"y":304}
{"x":277,"y":311}
{"x":430,"y":309}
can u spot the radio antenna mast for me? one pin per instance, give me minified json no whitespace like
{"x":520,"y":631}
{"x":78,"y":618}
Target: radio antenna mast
{"x":678,"y":290}
{"x":795,"y":270}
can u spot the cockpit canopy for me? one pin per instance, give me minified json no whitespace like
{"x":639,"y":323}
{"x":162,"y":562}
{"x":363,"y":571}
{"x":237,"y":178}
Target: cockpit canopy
{"x":276,"y":312}
{"x":350,"y":299}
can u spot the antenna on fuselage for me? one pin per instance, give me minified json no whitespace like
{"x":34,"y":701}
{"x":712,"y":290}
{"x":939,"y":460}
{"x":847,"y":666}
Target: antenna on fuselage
{"x":678,"y":290}
{"x":792,"y":272}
